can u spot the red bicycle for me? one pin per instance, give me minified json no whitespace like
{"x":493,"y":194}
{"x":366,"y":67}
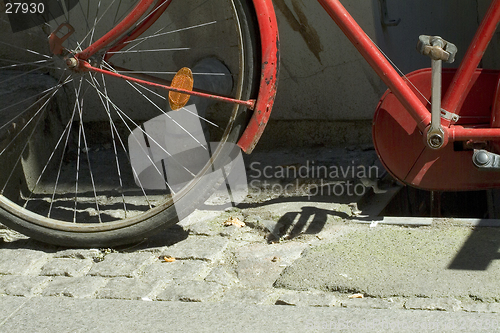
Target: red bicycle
{"x":77,"y":141}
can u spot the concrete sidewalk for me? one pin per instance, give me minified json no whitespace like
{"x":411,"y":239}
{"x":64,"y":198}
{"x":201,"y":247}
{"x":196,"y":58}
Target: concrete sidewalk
{"x":58,"y":314}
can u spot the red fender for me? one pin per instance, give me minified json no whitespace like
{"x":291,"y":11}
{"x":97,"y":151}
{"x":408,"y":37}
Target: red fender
{"x":269,"y":38}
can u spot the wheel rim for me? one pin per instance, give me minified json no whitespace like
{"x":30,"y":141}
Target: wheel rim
{"x":84,"y":146}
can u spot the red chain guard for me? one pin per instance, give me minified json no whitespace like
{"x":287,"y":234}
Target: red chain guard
{"x":401,"y":147}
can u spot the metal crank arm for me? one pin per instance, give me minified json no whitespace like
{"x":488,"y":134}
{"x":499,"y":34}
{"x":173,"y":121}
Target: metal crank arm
{"x":435,"y":134}
{"x":438,"y":50}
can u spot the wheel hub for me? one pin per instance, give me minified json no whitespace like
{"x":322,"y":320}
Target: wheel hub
{"x":72,"y":63}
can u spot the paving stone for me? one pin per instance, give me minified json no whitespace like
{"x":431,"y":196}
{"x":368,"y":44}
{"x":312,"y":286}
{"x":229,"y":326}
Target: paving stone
{"x":372,"y":303}
{"x":198,"y":248}
{"x":220,"y":276}
{"x":441,"y":304}
{"x":78,"y":287}
{"x":253,"y":220}
{"x":249,"y":296}
{"x":22,"y":261}
{"x":198,"y":217}
{"x":259,"y":265}
{"x":129,"y":288}
{"x":230,"y":231}
{"x":417,"y":262}
{"x":159,"y":241}
{"x":204,"y":228}
{"x":80,"y":254}
{"x":18,"y":285}
{"x":201,"y":229}
{"x":67,"y":267}
{"x":179,"y":269}
{"x":248,"y":237}
{"x":306,"y":298}
{"x":122,"y":264}
{"x":190,"y":291}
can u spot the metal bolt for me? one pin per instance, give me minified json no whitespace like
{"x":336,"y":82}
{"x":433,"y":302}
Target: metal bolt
{"x":482,"y":158}
{"x":435,"y":141}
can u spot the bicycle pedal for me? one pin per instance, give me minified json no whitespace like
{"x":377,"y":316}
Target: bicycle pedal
{"x":437,"y":48}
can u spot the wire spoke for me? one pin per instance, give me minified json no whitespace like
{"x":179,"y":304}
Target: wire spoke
{"x":27,"y":50}
{"x":158,"y":33}
{"x":166,"y":114}
{"x":115,"y":130}
{"x":105,"y":105}
{"x":61,"y":137}
{"x":152,"y":50}
{"x":77,"y":107}
{"x":56,"y":184}
{"x":21,"y":75}
{"x":200,"y":117}
{"x":20,"y":64}
{"x":82,"y":135}
{"x":26,"y":125}
{"x":113,"y":139}
{"x":45,"y":93}
{"x":42,"y":108}
{"x":151,"y":138}
{"x":96,"y":21}
{"x":120,"y":113}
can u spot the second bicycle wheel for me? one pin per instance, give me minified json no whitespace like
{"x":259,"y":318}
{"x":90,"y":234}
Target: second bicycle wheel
{"x":93,"y":160}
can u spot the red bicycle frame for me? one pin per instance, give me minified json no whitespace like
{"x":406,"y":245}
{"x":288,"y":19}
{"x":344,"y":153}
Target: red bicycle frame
{"x":459,"y":88}
{"x":452,"y":102}
{"x":409,"y":112}
{"x":403,"y":117}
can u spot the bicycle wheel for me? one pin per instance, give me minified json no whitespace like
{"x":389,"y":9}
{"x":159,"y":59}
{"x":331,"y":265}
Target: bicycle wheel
{"x":89,"y":159}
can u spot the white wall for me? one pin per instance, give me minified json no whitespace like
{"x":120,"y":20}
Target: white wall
{"x":329,"y":80}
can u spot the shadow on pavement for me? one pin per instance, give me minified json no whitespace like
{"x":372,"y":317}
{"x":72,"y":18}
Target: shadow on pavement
{"x":479,"y":250}
{"x":166,"y":237}
{"x":308,"y":220}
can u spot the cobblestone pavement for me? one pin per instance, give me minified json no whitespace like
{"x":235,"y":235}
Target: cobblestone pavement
{"x":212,"y":264}
{"x":203,"y":259}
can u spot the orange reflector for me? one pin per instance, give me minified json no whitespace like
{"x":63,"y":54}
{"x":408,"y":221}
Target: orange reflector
{"x":182,"y":80}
